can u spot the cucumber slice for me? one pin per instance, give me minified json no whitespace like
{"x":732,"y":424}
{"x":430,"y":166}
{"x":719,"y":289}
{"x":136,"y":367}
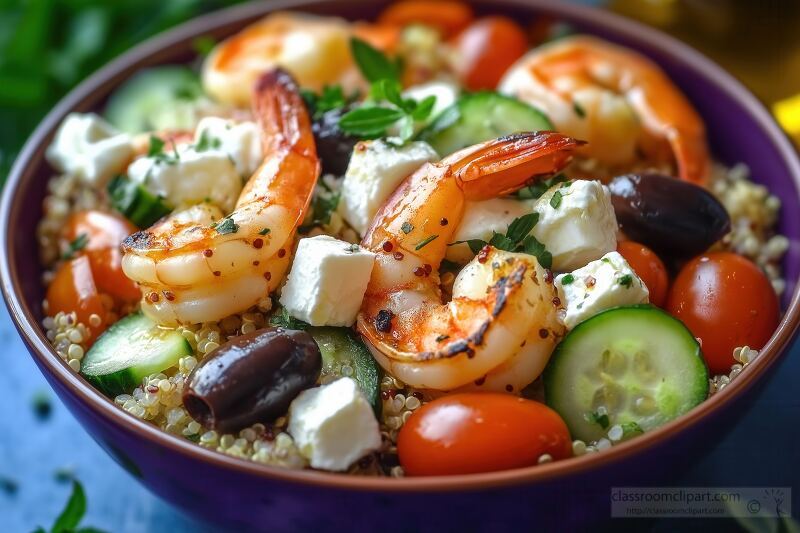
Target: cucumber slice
{"x":130,"y":350}
{"x":139,"y":205}
{"x":343,"y":354}
{"x":633,"y":365}
{"x":157,"y":98}
{"x":478,"y":117}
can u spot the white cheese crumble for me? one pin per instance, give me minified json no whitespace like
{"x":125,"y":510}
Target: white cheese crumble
{"x":90,"y":148}
{"x":241,"y":141}
{"x":333,"y":425}
{"x":190,"y":177}
{"x":576,"y":223}
{"x":376,"y":169}
{"x":600,"y":285}
{"x":327,"y":281}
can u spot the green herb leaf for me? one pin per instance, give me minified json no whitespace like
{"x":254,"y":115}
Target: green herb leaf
{"x":424,"y":242}
{"x":536,"y":190}
{"x":579,"y":110}
{"x":625,"y":281}
{"x":227,"y":225}
{"x":76,"y":246}
{"x":264,"y":231}
{"x":388,"y":89}
{"x":72,"y":514}
{"x":283,"y":319}
{"x":567,"y":279}
{"x":555,"y":200}
{"x":631,"y":429}
{"x":423,"y":108}
{"x":596,"y":417}
{"x":156,"y":146}
{"x":520,"y":227}
{"x":535,"y":248}
{"x":353,"y":248}
{"x":207,"y":142}
{"x":406,"y":227}
{"x":369,"y":122}
{"x":501,"y":242}
{"x":475,"y":245}
{"x":374,"y":65}
{"x":406,"y":128}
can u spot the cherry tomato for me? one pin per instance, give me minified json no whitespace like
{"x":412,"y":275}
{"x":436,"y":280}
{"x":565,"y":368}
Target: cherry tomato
{"x":649,"y":267}
{"x":448,"y":16}
{"x":480,"y":432}
{"x":104,"y":232}
{"x":486,"y":49}
{"x":73,"y":290}
{"x":725,"y":301}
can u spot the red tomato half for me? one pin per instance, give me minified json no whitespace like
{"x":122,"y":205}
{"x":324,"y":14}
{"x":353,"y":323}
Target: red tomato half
{"x":486,"y":49}
{"x":725,"y":301}
{"x":480,"y":432}
{"x":73,"y":290}
{"x":649,"y":267}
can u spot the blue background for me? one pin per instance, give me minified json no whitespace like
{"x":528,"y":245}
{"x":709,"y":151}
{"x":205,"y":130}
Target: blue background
{"x":760,"y":451}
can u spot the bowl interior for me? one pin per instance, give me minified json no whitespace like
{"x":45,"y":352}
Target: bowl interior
{"x":739,"y":128}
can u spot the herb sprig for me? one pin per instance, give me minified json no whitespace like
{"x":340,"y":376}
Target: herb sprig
{"x":78,"y":244}
{"x":516,"y":239}
{"x":70,"y":518}
{"x":385,"y":106}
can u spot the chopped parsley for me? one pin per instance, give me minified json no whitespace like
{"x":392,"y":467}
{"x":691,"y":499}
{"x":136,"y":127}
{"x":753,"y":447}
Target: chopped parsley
{"x":353,"y":248}
{"x":406,"y":227}
{"x":625,"y":281}
{"x":567,"y":279}
{"x":424,"y":242}
{"x":156,"y":146}
{"x":579,"y":110}
{"x":283,"y":319}
{"x":78,"y":244}
{"x":597,"y":417}
{"x":555,"y":200}
{"x":322,"y":206}
{"x":156,"y":151}
{"x":264,"y":231}
{"x":536,"y":190}
{"x":631,"y":429}
{"x":516,"y":239}
{"x":226,"y":225}
{"x":207,"y":142}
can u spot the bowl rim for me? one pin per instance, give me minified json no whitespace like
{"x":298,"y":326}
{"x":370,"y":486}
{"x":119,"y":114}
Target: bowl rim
{"x":49,"y":362}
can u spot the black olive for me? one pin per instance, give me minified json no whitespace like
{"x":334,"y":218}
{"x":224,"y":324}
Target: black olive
{"x":672,"y":216}
{"x":252,"y":378}
{"x":333,"y":145}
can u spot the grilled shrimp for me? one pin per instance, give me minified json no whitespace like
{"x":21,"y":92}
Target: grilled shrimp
{"x":616,"y":99}
{"x":198,"y":266}
{"x":314,"y":49}
{"x":499,"y":299}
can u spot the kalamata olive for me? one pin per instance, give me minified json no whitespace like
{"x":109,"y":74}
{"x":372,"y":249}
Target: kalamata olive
{"x":672,"y":216}
{"x":333,"y":145}
{"x":252,"y":378}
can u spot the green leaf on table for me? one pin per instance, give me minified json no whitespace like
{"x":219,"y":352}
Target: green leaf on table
{"x":73,"y":513}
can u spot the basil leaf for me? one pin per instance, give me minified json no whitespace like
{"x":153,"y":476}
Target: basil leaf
{"x":369,"y":121}
{"x":374,"y":65}
{"x":72,"y":514}
{"x":424,"y":108}
{"x":521,"y":226}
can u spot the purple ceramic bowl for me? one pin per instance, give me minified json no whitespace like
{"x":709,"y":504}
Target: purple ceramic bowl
{"x":248,"y":496}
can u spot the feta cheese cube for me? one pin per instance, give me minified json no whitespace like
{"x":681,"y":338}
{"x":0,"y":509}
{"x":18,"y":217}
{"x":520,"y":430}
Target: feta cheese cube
{"x":376,"y":169}
{"x":481,"y":220}
{"x":333,"y":425}
{"x":576,"y":223}
{"x":190,"y":178}
{"x":600,"y":285}
{"x":89,"y":147}
{"x":242,"y":142}
{"x":446,"y":94}
{"x":327,"y":281}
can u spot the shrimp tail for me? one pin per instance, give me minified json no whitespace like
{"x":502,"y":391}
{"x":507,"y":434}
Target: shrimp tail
{"x":282,"y":114}
{"x":511,"y":161}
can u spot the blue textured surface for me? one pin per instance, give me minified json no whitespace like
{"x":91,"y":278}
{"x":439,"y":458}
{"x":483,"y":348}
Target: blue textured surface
{"x":760,"y":451}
